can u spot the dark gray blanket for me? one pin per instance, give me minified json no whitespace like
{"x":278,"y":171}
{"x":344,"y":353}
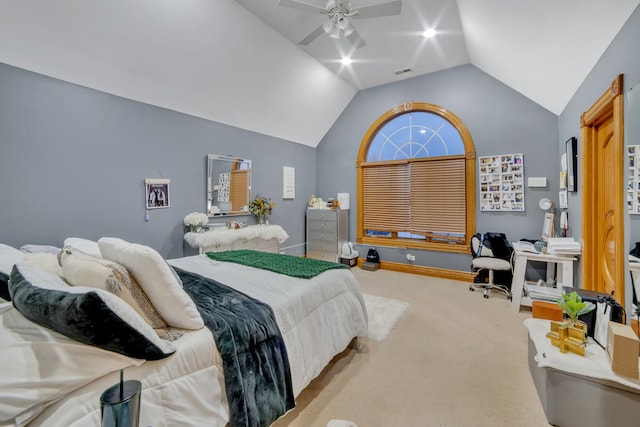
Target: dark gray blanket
{"x":256,"y":366}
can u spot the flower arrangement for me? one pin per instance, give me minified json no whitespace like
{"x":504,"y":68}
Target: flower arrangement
{"x":195,"y":220}
{"x":261,"y":206}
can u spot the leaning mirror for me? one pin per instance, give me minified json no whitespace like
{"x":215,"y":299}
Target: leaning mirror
{"x":228,"y":185}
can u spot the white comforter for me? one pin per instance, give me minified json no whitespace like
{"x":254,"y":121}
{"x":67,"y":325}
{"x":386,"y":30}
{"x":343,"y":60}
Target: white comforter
{"x":318,"y":318}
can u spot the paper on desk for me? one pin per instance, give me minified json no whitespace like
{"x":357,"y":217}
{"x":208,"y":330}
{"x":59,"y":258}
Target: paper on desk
{"x":563,"y":245}
{"x":522,"y":246}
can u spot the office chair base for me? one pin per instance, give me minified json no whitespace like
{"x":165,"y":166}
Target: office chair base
{"x":488,"y":287}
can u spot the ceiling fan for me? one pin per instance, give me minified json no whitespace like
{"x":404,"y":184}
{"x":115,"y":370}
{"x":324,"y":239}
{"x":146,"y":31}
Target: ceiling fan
{"x":340,"y":14}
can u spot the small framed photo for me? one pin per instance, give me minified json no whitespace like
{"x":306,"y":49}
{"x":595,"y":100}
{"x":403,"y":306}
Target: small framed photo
{"x":157,"y":193}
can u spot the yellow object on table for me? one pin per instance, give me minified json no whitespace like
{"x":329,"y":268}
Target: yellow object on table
{"x":568,"y":336}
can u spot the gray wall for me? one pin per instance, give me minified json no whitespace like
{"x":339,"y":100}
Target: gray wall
{"x":500,"y":121}
{"x":620,"y":58}
{"x":73,"y":161}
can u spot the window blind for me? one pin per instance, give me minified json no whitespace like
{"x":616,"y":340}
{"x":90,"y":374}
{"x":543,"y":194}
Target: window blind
{"x":386,"y":196}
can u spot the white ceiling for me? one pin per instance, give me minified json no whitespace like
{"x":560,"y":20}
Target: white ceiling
{"x":243,"y":67}
{"x":542,"y":48}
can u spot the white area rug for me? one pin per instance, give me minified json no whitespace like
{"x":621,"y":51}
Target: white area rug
{"x":383,"y":313}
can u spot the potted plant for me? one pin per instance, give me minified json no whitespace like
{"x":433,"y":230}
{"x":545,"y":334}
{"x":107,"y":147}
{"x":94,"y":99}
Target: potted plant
{"x":573,"y":306}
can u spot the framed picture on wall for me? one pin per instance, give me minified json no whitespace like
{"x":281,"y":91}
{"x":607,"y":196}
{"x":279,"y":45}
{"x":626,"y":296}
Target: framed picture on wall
{"x":502,"y":183}
{"x":157,"y":193}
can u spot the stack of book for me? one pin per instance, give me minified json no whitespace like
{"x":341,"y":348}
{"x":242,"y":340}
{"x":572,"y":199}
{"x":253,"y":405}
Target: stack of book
{"x":538,"y":291}
{"x":563,"y":246}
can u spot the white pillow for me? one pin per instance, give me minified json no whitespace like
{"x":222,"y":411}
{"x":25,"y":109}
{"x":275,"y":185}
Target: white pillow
{"x":8,"y":257}
{"x":81,"y":269}
{"x":157,"y":279}
{"x":89,"y":247}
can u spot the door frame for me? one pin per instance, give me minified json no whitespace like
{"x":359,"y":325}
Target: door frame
{"x":611,"y":103}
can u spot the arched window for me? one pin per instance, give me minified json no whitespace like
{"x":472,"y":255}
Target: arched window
{"x":416,"y":180}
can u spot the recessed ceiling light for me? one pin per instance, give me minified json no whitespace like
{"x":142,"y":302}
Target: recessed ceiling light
{"x":429,"y":33}
{"x":346,"y":61}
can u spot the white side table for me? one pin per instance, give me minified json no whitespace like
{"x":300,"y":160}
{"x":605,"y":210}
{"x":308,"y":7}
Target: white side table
{"x":565,"y":274}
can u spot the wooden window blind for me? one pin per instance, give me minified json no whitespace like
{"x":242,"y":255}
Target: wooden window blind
{"x":426,"y":197}
{"x":386,"y":196}
{"x":438,"y":197}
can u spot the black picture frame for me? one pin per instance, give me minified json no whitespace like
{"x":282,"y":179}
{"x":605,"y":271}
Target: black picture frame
{"x":157,"y":195}
{"x":571,"y":147}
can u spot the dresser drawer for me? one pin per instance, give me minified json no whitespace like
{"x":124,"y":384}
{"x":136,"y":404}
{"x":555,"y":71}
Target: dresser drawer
{"x":323,"y":255}
{"x":322,"y":246}
{"x":322,"y":225}
{"x":270,"y":245}
{"x":321,"y":214}
{"x":245,"y":244}
{"x":218,"y":247}
{"x":330,"y":235}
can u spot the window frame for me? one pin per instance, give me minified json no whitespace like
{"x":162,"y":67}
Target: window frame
{"x":470,"y":181}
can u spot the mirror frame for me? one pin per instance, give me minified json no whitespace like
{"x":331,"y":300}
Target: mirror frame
{"x":235,"y":169}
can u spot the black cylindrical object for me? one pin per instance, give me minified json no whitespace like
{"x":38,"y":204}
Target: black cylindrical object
{"x":120,"y":404}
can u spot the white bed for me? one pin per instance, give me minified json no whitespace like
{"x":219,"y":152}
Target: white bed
{"x":317,"y":317}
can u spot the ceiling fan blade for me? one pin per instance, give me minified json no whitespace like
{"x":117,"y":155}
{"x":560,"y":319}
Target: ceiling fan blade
{"x":312,"y":36}
{"x":378,"y":10}
{"x":300,"y":5}
{"x":355,"y":39}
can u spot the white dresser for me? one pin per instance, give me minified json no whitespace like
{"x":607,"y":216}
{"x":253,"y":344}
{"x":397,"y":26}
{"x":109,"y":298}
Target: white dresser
{"x":265,"y":238}
{"x":327,"y":231}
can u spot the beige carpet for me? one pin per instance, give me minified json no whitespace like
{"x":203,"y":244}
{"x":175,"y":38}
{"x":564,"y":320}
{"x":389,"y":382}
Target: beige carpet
{"x":453,"y":359}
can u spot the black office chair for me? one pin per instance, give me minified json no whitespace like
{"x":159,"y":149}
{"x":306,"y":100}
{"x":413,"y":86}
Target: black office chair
{"x":491,"y":252}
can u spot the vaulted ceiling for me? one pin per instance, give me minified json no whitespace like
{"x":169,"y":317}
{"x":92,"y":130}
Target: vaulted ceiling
{"x":239,"y":62}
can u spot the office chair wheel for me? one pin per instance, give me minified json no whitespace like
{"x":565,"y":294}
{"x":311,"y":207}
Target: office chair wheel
{"x":471,"y":288}
{"x":486,"y":296}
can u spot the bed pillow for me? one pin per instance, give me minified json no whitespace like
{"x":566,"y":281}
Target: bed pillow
{"x":158,"y":280}
{"x":88,"y":315}
{"x":45,"y":249}
{"x":81,"y":269}
{"x":8,"y":257}
{"x":89,"y":247}
{"x":45,"y":261}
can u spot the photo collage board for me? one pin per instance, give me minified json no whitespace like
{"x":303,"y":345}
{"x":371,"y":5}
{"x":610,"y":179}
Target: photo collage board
{"x":502,"y":183}
{"x":633,"y":186}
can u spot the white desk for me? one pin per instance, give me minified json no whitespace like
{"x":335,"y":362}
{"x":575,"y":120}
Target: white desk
{"x":565,"y":274}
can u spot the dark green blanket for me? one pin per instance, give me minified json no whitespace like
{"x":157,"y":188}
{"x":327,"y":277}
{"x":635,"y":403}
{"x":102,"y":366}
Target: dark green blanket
{"x":303,"y":268}
{"x":256,"y":366}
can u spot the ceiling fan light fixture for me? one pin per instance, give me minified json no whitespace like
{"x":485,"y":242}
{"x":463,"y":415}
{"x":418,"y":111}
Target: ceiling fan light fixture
{"x":343,"y":23}
{"x":328,"y":26}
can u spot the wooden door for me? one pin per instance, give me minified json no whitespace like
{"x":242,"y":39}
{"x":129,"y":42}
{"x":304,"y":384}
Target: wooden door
{"x":603,"y":190}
